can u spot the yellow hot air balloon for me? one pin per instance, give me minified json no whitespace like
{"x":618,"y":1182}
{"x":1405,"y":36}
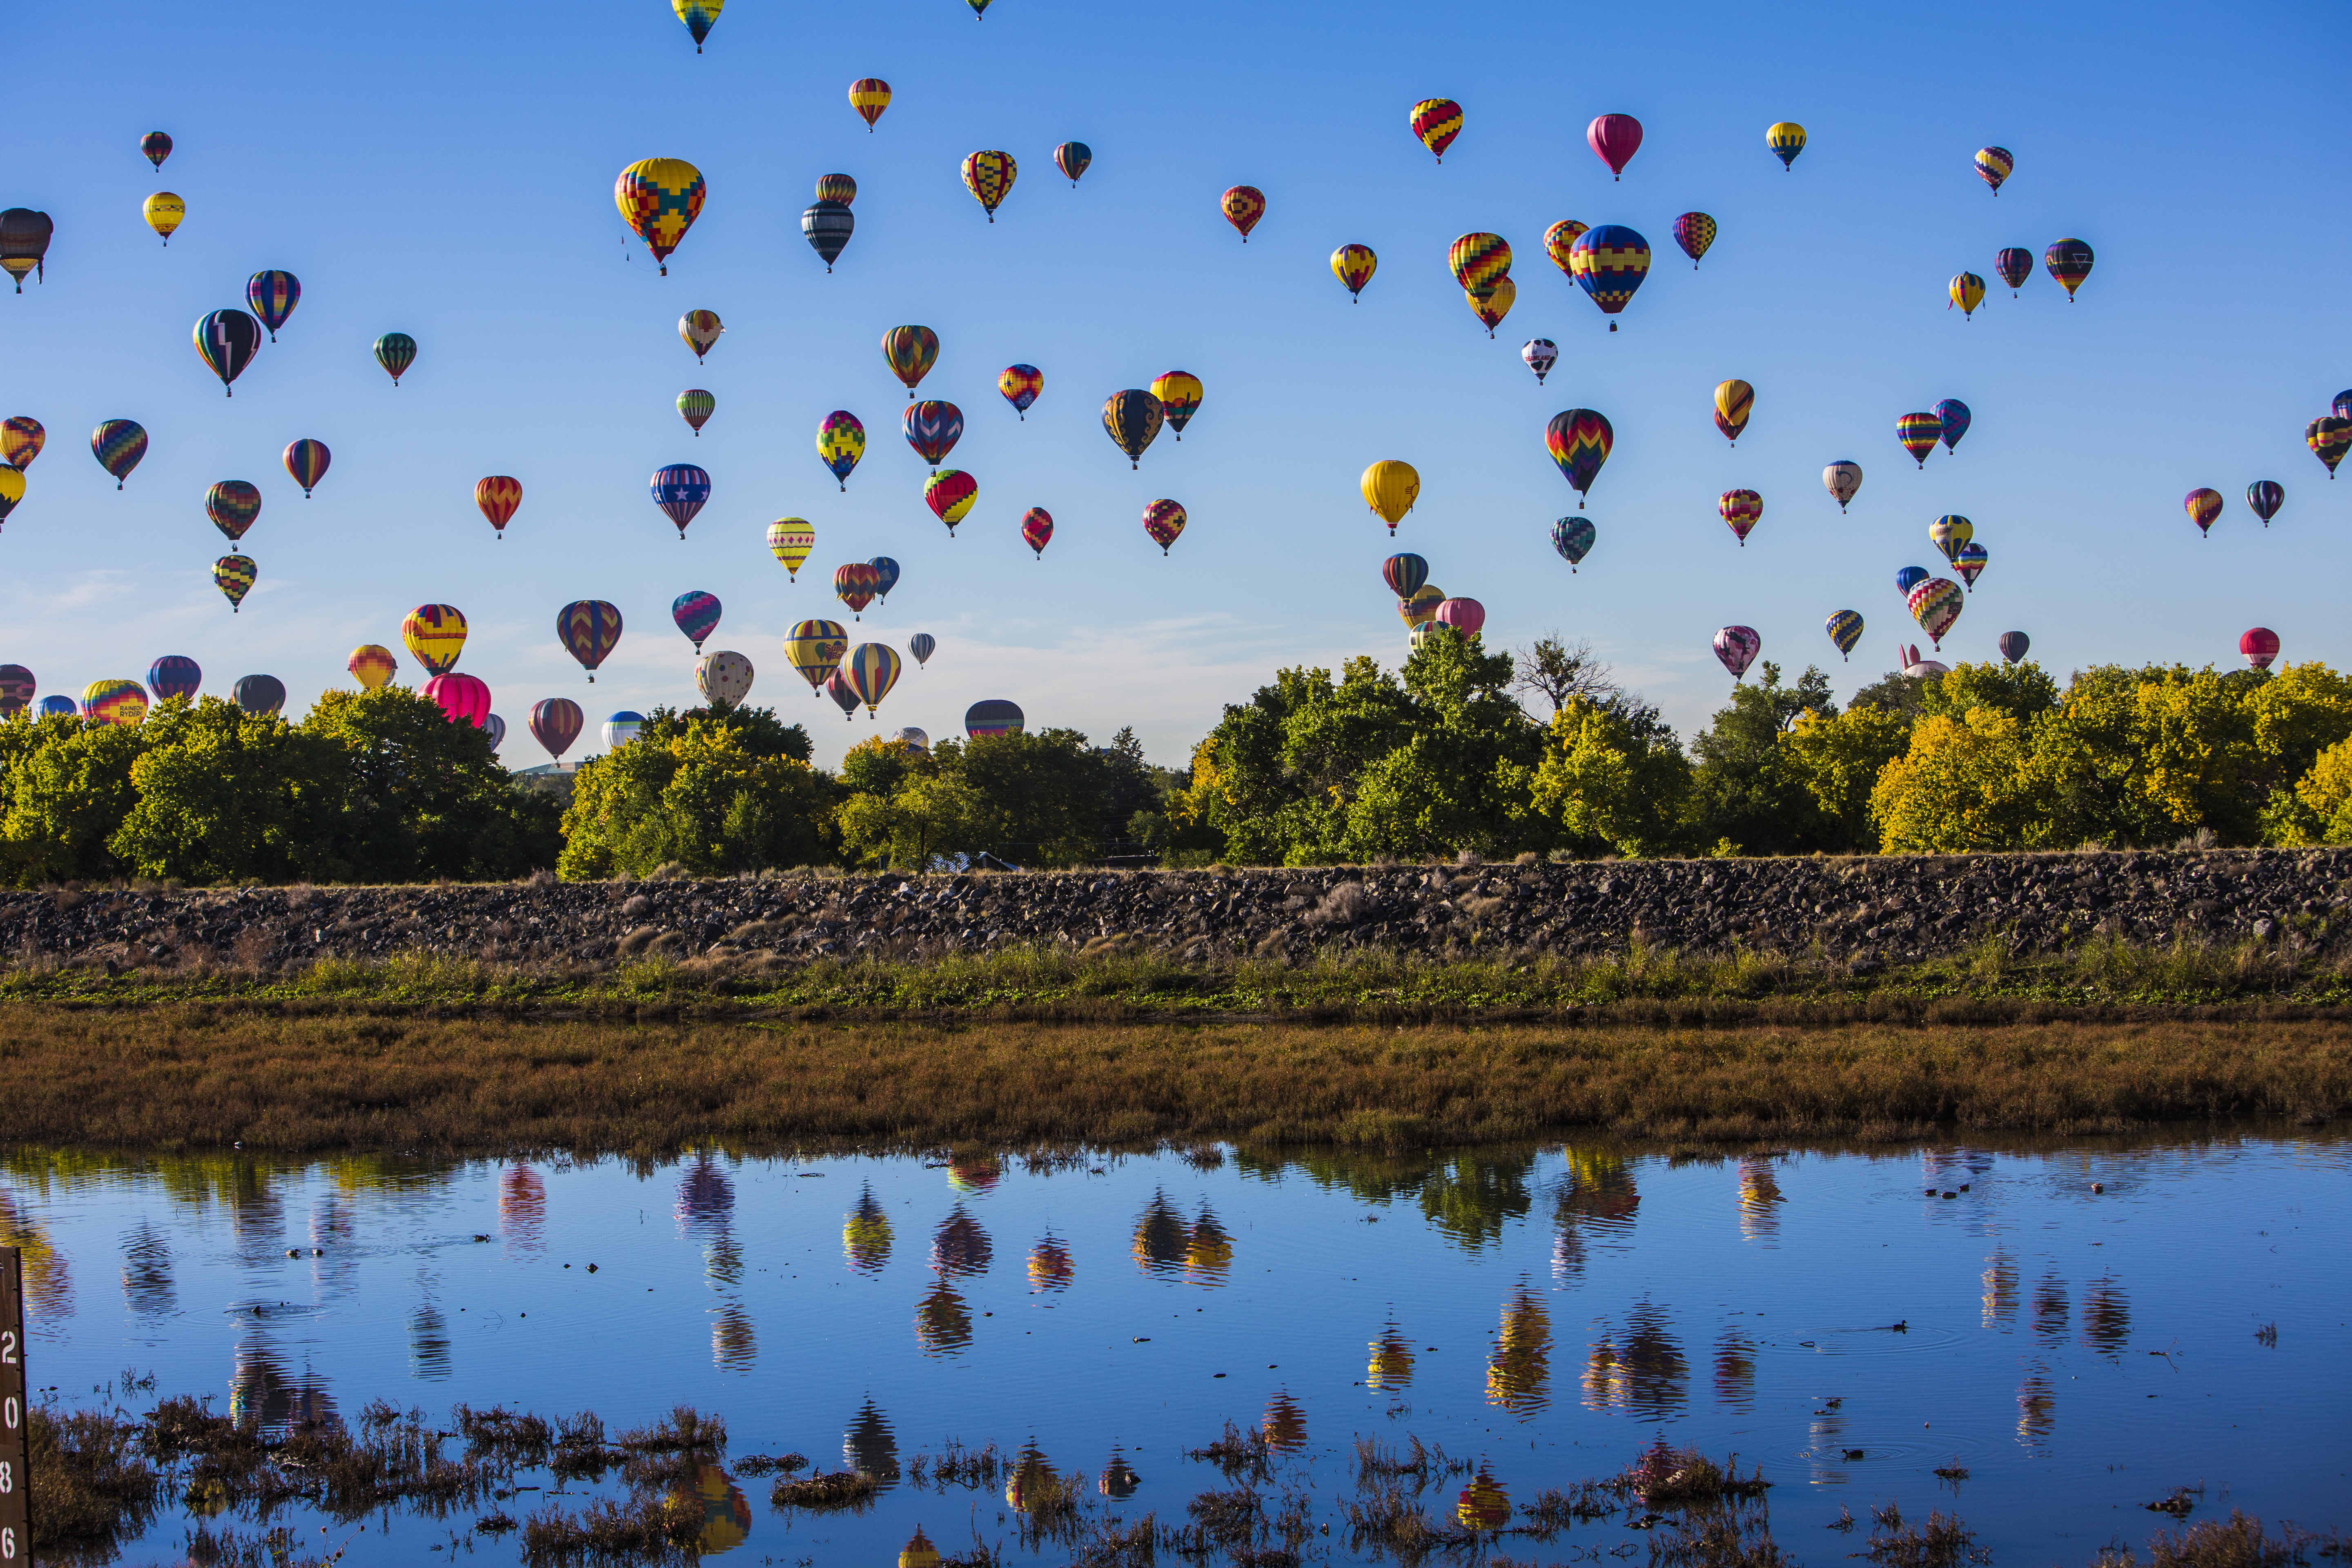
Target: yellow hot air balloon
{"x":1421,"y":608}
{"x":1352,"y":265}
{"x":1968,"y":291}
{"x":1735,"y":400}
{"x":1391,"y":487}
{"x":790,"y":539}
{"x":1496,"y":306}
{"x":371,"y":665}
{"x":163,"y":212}
{"x":435,"y":634}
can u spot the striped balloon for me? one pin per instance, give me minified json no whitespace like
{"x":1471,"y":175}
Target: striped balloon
{"x":886,"y":576}
{"x":1845,"y":630}
{"x":790,"y":540}
{"x":1735,"y":403}
{"x":1970,"y":562}
{"x":273,"y":296}
{"x":2015,"y":267}
{"x":396,"y":352}
{"x":1404,"y":573}
{"x":923,"y":645}
{"x":873,"y":669}
{"x":870,"y":96}
{"x":853,"y":585}
{"x":122,"y":702}
{"x":1920,"y":433}
{"x":306,"y":461}
{"x":815,"y":648}
{"x":2266,"y":495}
{"x":118,"y":445}
{"x":1951,"y":531}
{"x":1935,"y":604}
{"x":1038,"y":529}
{"x":680,"y":490}
{"x":555,"y":723}
{"x":175,"y":675}
{"x":696,"y":406}
{"x":588,"y":629}
{"x":1608,"y":264}
{"x":1479,"y":260}
{"x":910,"y":352}
{"x":1073,"y":158}
{"x":1993,"y":166}
{"x":1741,"y":509}
{"x":2069,"y":261}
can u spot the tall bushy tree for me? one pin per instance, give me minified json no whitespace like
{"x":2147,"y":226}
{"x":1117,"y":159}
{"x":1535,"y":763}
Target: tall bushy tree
{"x":697,"y":792}
{"x":227,"y":795}
{"x":424,"y":797}
{"x":1609,"y":781}
{"x":68,"y":790}
{"x":1744,"y":788}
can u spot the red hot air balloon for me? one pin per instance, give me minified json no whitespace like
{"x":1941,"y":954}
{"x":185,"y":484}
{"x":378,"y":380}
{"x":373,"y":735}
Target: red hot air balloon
{"x":1465,"y":616}
{"x":2260,"y":646}
{"x":557,"y":722}
{"x":1741,"y":509}
{"x":1163,"y":521}
{"x":1615,"y":138}
{"x":853,"y":585}
{"x":2204,"y":506}
{"x":462,"y":697}
{"x":1244,"y":205}
{"x":1038,"y":529}
{"x":498,"y":495}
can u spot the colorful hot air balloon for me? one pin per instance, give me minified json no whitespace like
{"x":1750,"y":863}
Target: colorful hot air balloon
{"x":1038,"y":529}
{"x":11,"y":490}
{"x":660,"y":199}
{"x":1920,"y":433}
{"x":1479,"y":262}
{"x":1573,"y":538}
{"x":1405,"y":575}
{"x":1608,"y":264}
{"x":174,"y":675}
{"x":1970,"y":562}
{"x":227,"y":341}
{"x":1353,"y":265}
{"x":1559,"y":244}
{"x":886,"y":576}
{"x":840,"y":442}
{"x":234,"y":576}
{"x":555,"y":723}
{"x":2014,"y":646}
{"x":1694,"y":232}
{"x":697,"y":614}
{"x":700,"y":329}
{"x":2343,"y":406}
{"x":919,"y":1552}
{"x":1845,"y":630}
{"x":1741,"y":509}
{"x":988,"y":176}
{"x":679,"y":490}
{"x":118,"y":445}
{"x":2327,"y":436}
{"x":157,"y":146}
{"x":588,"y":629}
{"x":1737,"y":648}
{"x":2204,"y":507}
{"x":1072,"y":158}
{"x":1910,"y":578}
{"x":273,"y":296}
{"x":1993,"y":165}
{"x":2259,"y":645}
{"x":815,"y":648}
{"x":371,"y":665}
{"x":696,"y":406}
{"x":2069,"y":261}
{"x":1948,"y":532}
{"x":118,"y":702}
{"x":1935,"y":605}
{"x":872,"y":669}
{"x":853,"y":585}
{"x":1244,"y":205}
{"x":842,"y":188}
{"x":163,"y":213}
{"x":724,"y":679}
{"x":1133,"y":418}
{"x":921,"y":645}
{"x":1390,"y":487}
{"x":950,"y":493}
{"x":1420,"y":608}
{"x":1614,"y":139}
{"x":699,"y":15}
{"x":396,"y":352}
{"x":1437,"y":121}
{"x":1540,"y":354}
{"x":790,"y":540}
{"x":233,"y":504}
{"x":2266,"y":495}
{"x":1163,"y":521}
{"x":1491,"y":311}
{"x":1578,"y":440}
{"x":622,"y":728}
{"x":1786,"y":138}
{"x":1842,"y":479}
{"x":870,"y":96}
{"x":498,"y":495}
{"x":910,"y":352}
{"x":827,"y":226}
{"x":306,"y":461}
{"x":21,"y":439}
{"x":2015,"y":267}
{"x":462,"y":699}
{"x":932,"y":429}
{"x":496,"y":728}
{"x":1951,"y":422}
{"x":1735,"y":401}
{"x":1179,"y":392}
{"x":1020,"y":385}
{"x":24,"y":241}
{"x":435,"y":634}
{"x":993,"y":717}
{"x":1968,"y":291}
{"x":261,"y":696}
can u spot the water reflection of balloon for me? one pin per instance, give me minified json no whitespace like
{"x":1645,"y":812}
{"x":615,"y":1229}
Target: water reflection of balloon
{"x":869,"y":1447}
{"x":1519,"y":1373}
{"x":1283,"y":1427}
{"x":919,"y":1552}
{"x":1482,"y":1506}
{"x":866,"y":1233}
{"x":1119,"y":1480}
{"x":1391,"y":1367}
{"x":1050,"y":1268}
{"x":1209,"y":1251}
{"x":1161,"y":1237}
{"x":1759,"y":1200}
{"x":959,"y":1246}
{"x":942,"y":1321}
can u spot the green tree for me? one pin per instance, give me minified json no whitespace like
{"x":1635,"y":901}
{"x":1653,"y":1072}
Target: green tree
{"x":1608,"y":782}
{"x":1030,"y":800}
{"x":1744,"y":787}
{"x":424,"y":797}
{"x":1968,"y":782}
{"x":696,"y":795}
{"x":68,"y":790}
{"x":1839,"y":760}
{"x":225,"y":795}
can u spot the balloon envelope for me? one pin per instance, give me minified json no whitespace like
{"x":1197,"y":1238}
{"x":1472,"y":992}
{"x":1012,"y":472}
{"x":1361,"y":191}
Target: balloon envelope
{"x":815,"y":648}
{"x":697,"y":614}
{"x":371,"y":665}
{"x":118,"y":445}
{"x":659,"y":198}
{"x":723,"y":677}
{"x":1353,"y":266}
{"x":790,"y":540}
{"x":870,"y":96}
{"x":1786,"y":140}
{"x":273,"y":296}
{"x":622,"y":728}
{"x":988,"y":176}
{"x":259,"y":695}
{"x":1920,"y":433}
{"x":2260,"y":646}
{"x":1179,"y":391}
{"x":306,"y":462}
{"x":233,"y":504}
{"x":1578,"y":440}
{"x":1695,"y":232}
{"x":1466,"y":617}
{"x":555,"y":723}
{"x":1573,"y":538}
{"x":1845,"y":630}
{"x":1163,"y":521}
{"x":1935,"y":604}
{"x":995,"y":716}
{"x":1404,"y":573}
{"x":1735,"y":401}
{"x":700,"y":329}
{"x":1993,"y":165}
{"x":1020,"y":385}
{"x":234,"y":575}
{"x":1390,"y":487}
{"x":16,"y":689}
{"x":396,"y":352}
{"x":840,"y":442}
{"x":588,"y":629}
{"x":872,"y":669}
{"x":921,"y":645}
{"x":227,"y":341}
{"x":21,"y":439}
{"x":1737,"y":648}
{"x":2266,"y":495}
{"x":827,"y":226}
{"x":910,"y":352}
{"x":1540,"y":354}
{"x":1951,"y":421}
{"x":1133,"y":418}
{"x":950,"y":493}
{"x":2203,"y":507}
{"x":1614,"y":139}
{"x":1842,"y":479}
{"x":1072,"y":158}
{"x":2069,"y":261}
{"x":932,"y":429}
{"x":122,"y":702}
{"x":1038,"y":529}
{"x":1741,"y":509}
{"x":1243,"y":206}
{"x":498,"y":495}
{"x":680,"y":490}
{"x":1437,"y":121}
{"x":435,"y":634}
{"x":2014,"y":646}
{"x":174,"y":675}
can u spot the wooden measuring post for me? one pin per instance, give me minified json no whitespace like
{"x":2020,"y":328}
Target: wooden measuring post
{"x":15,"y":1483}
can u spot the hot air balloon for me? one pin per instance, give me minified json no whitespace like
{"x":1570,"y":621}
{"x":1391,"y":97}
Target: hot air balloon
{"x":120,"y":702}
{"x":16,"y":689}
{"x":1948,"y":532}
{"x":1133,"y":418}
{"x":872,"y":669}
{"x":55,"y":707}
{"x":921,"y":645}
{"x":1464,"y":618}
{"x":2261,"y":645}
{"x":273,"y":296}
{"x":2203,"y":507}
{"x":1609,"y":263}
{"x":157,"y":146}
{"x":174,"y":675}
{"x":1935,"y":605}
{"x":118,"y":445}
{"x":1920,"y":433}
{"x":840,"y":442}
{"x":1910,"y":578}
{"x":1540,"y":354}
{"x":259,"y":696}
{"x":462,"y":699}
{"x":2343,"y":406}
{"x":622,"y":728}
{"x":697,"y":614}
{"x":1842,"y":479}
{"x":227,"y":341}
{"x":1179,"y":392}
{"x":1578,"y":440}
{"x":853,"y":585}
{"x":870,"y":96}
{"x":993,"y":717}
{"x":842,"y":188}
{"x":679,"y":490}
{"x":234,"y":576}
{"x":24,"y":241}
{"x":1559,"y":244}
{"x":163,"y":212}
{"x":555,"y":723}
{"x":498,"y":495}
{"x":828,"y":225}
{"x":696,"y":406}
{"x":2069,"y":261}
{"x":988,"y":176}
{"x":1479,"y":262}
{"x":11,"y":490}
{"x":1737,"y":648}
{"x":2015,"y":267}
{"x":1786,"y":138}
{"x":1845,"y":630}
{"x":396,"y":352}
{"x":2329,"y":436}
{"x":790,"y":540}
{"x":1735,"y":401}
{"x":1970,"y":562}
{"x":910,"y":352}
{"x":1573,"y":538}
{"x":1405,"y":575}
{"x":886,"y":576}
{"x":1741,"y":509}
{"x":1243,"y":206}
{"x":371,"y":665}
{"x":1968,"y":291}
{"x":949,"y":494}
{"x":660,"y":199}
{"x":1163,"y":521}
{"x":1952,"y":422}
{"x":435,"y":634}
{"x":932,"y":429}
{"x":1993,"y":165}
{"x":700,"y":329}
{"x":724,"y":679}
{"x":699,"y":16}
{"x":1020,"y":385}
{"x":306,"y":461}
{"x":1390,"y":487}
{"x":496,"y":728}
{"x":1072,"y":158}
{"x":1353,"y":265}
{"x":588,"y":629}
{"x":1437,"y":121}
{"x":1419,"y":609}
{"x":21,"y":439}
{"x":1694,"y":232}
{"x":2014,"y":646}
{"x":1038,"y":529}
{"x":815,"y":648}
{"x":1614,"y":139}
{"x":2266,"y":495}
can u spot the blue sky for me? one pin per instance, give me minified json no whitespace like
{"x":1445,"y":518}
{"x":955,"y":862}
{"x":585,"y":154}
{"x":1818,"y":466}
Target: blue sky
{"x":445,"y":171}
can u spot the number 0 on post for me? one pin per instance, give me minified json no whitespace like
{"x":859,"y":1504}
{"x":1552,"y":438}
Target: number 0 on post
{"x":16,"y":1493}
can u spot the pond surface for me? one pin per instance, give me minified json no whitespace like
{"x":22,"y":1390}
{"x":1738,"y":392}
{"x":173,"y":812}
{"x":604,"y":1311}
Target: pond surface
{"x":1541,"y":1314}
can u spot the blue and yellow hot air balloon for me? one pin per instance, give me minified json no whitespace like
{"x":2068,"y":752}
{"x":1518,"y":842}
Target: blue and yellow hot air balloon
{"x":660,"y":199}
{"x":1845,"y":630}
{"x":1608,"y":264}
{"x":840,"y":442}
{"x":699,"y":16}
{"x":273,"y":296}
{"x":872,"y":669}
{"x":1786,"y":138}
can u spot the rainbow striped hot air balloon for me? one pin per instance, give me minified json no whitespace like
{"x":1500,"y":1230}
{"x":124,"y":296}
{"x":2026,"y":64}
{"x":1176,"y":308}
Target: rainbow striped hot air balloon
{"x":1578,"y":440}
{"x":660,"y":199}
{"x":588,"y":629}
{"x":306,"y":462}
{"x":118,"y":702}
{"x":1920,"y":433}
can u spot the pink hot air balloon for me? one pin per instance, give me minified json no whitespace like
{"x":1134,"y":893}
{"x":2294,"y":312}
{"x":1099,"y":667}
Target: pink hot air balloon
{"x":462,"y":697}
{"x":2260,"y":646}
{"x":1466,"y":617}
{"x":1616,"y":137}
{"x":1737,"y":647}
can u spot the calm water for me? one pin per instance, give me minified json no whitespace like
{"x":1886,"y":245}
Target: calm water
{"x":1544,"y":1314}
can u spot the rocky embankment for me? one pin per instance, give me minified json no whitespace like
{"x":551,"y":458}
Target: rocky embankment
{"x":1870,"y":910}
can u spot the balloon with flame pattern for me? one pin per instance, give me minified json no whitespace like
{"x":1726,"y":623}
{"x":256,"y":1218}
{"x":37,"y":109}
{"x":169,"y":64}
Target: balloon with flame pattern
{"x":1038,"y":529}
{"x":1578,"y":440}
{"x":498,"y":495}
{"x":589,"y":630}
{"x":853,"y":585}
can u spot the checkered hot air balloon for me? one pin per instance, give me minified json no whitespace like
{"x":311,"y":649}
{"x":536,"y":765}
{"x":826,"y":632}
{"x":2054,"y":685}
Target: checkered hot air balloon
{"x":1694,"y":232}
{"x":840,"y":442}
{"x":118,"y":445}
{"x":1573,"y":539}
{"x":659,"y":198}
{"x":589,"y":630}
{"x":371,"y":665}
{"x":1437,"y":121}
{"x":1608,"y":264}
{"x":2015,"y":267}
{"x":234,"y":576}
{"x":988,"y":176}
{"x":1243,"y":206}
{"x":21,"y":439}
{"x":1491,"y":311}
{"x":1479,"y":261}
{"x":1020,"y":385}
{"x":1163,"y":521}
{"x":233,"y":505}
{"x":1741,"y":509}
{"x":1559,"y":244}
